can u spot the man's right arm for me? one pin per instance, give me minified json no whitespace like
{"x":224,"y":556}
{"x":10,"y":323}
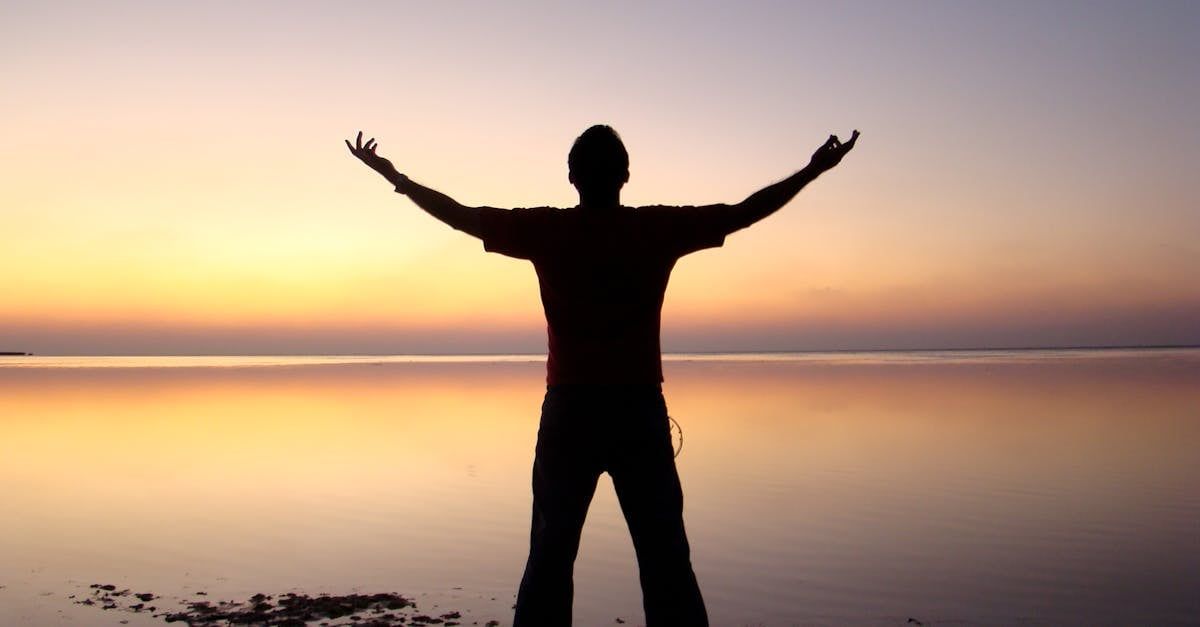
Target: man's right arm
{"x":772,"y":198}
{"x":435,"y":203}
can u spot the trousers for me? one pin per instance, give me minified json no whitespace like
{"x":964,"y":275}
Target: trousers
{"x":623,"y":430}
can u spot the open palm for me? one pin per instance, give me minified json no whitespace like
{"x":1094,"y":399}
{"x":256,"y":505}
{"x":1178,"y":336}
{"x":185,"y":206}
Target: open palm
{"x":366,"y":153}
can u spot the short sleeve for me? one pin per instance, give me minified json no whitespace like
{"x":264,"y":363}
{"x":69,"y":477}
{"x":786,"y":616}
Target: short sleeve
{"x":683,"y":230}
{"x":520,"y":233}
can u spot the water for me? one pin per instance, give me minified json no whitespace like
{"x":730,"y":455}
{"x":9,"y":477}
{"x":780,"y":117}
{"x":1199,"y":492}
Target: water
{"x":1003,"y":487}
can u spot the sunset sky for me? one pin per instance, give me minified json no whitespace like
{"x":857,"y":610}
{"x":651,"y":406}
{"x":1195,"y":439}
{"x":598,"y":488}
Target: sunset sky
{"x":174,"y":179}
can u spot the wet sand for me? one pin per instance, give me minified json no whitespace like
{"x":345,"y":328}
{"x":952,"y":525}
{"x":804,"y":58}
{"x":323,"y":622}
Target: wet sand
{"x":37,"y":601}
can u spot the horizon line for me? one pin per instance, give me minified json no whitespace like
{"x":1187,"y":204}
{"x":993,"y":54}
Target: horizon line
{"x":664,"y":353}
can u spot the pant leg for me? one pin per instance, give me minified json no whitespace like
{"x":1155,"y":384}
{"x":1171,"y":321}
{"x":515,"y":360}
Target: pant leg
{"x":565,"y":472}
{"x":642,"y":466}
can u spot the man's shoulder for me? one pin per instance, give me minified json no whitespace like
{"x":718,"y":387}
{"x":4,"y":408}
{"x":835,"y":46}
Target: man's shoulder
{"x":540,"y":212}
{"x":676,"y":208}
{"x":655,"y":211}
{"x":540,"y":208}
{"x":663,"y":213}
{"x":521,"y":215}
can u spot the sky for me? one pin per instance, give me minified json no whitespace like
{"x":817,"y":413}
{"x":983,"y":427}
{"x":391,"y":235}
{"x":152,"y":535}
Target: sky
{"x":173,"y":177}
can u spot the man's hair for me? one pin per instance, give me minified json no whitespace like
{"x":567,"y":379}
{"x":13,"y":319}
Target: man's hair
{"x":598,"y":158}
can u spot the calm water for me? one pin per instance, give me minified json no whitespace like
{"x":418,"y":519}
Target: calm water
{"x":1049,"y":487}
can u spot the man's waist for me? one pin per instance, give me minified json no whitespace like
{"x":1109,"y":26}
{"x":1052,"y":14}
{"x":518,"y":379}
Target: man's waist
{"x":603,"y":387}
{"x":642,"y":372}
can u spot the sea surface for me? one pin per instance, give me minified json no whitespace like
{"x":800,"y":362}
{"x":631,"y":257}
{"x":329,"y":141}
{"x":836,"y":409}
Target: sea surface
{"x":1055,"y":487}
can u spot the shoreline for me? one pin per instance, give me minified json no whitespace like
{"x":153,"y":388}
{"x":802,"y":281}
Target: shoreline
{"x":844,"y":358}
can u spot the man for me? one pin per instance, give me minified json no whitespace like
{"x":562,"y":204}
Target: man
{"x":603,"y":270}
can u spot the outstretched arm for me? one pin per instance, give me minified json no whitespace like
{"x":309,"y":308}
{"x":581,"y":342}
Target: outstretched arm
{"x":435,"y":203}
{"x":772,"y":198}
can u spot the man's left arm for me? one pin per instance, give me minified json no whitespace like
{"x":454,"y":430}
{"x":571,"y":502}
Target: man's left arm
{"x":435,"y":203}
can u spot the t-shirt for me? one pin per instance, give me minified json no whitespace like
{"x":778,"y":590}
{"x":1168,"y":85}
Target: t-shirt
{"x":602,"y":275}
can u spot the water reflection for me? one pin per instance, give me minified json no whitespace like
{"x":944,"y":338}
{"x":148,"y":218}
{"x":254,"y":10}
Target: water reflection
{"x":987,"y":490}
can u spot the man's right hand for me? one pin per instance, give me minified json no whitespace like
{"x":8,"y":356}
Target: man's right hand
{"x":830,"y":153}
{"x":366,"y":154}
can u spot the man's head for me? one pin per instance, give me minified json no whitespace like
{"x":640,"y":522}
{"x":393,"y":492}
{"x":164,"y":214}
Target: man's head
{"x":598,"y":163}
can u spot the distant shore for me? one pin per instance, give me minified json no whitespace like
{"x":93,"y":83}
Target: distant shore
{"x":988,"y":358}
{"x":668,"y":354}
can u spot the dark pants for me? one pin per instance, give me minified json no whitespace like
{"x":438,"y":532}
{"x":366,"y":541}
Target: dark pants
{"x":623,"y":430}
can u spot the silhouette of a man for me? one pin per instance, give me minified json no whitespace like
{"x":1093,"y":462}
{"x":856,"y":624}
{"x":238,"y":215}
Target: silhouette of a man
{"x":603,"y":269}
